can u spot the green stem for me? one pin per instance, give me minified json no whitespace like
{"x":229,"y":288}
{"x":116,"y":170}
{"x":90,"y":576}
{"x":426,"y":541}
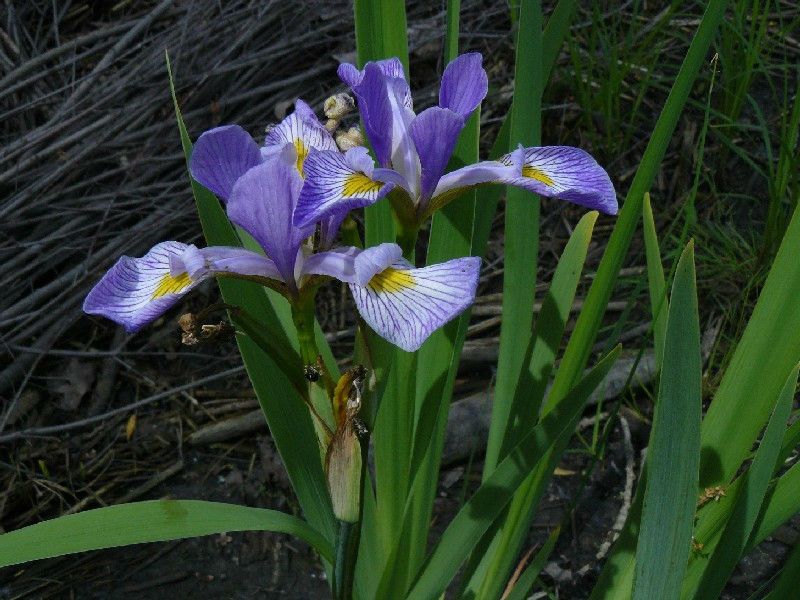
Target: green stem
{"x":346,"y":556}
{"x":407,"y":240}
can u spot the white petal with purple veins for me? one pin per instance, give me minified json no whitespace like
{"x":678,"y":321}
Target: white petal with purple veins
{"x":406,"y":305}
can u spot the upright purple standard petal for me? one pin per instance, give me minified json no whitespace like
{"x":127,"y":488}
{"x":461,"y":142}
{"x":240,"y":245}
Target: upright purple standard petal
{"x":262,"y":204}
{"x":376,"y":111}
{"x":435,"y":132}
{"x":391,"y":67}
{"x":136,"y":291}
{"x":222,"y":155}
{"x":406,"y":305}
{"x":464,"y":84}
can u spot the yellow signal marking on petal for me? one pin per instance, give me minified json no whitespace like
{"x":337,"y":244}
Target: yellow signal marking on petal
{"x":171,"y":285}
{"x":536,"y":174}
{"x":302,"y":152}
{"x":392,"y":280}
{"x":359,"y":184}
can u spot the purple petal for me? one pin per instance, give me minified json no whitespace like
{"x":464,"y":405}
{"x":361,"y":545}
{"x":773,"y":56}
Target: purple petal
{"x":566,"y":173}
{"x":338,"y":263}
{"x":464,"y":84}
{"x":373,"y":260}
{"x":552,"y":171}
{"x":303,"y":130}
{"x":262,"y":204}
{"x":338,"y":183}
{"x":435,"y":132}
{"x":222,"y":155}
{"x":222,"y":259}
{"x":136,"y":291}
{"x":406,"y":305}
{"x":376,"y":111}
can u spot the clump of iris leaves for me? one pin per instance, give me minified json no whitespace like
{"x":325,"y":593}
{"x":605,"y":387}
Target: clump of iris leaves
{"x":276,"y":223}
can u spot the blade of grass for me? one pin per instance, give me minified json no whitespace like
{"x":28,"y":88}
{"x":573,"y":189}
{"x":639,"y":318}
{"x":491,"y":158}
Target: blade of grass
{"x":671,"y":494}
{"x":763,"y":359}
{"x":749,"y":497}
{"x":480,"y":511}
{"x":655,"y":279}
{"x":524,"y":585}
{"x":287,"y":416}
{"x":548,"y":333}
{"x":149,"y":521}
{"x":521,"y":231}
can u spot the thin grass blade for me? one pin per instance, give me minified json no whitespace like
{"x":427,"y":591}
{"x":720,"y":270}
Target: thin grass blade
{"x":480,"y":511}
{"x":749,"y":498}
{"x":659,"y":305}
{"x":524,"y":584}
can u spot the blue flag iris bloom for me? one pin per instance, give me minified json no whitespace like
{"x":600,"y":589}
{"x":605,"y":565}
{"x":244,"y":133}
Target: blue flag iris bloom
{"x":261,"y":188}
{"x":413,"y":150}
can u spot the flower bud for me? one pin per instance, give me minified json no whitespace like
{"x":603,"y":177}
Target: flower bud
{"x":338,"y":106}
{"x":343,"y":471}
{"x":349,"y":139}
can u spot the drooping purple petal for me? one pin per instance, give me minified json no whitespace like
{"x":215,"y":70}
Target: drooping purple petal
{"x":262,"y":204}
{"x":338,"y":263}
{"x":222,"y":155}
{"x":435,"y":132}
{"x":372,"y":261}
{"x":566,"y":173}
{"x":338,"y":183}
{"x":406,"y":305}
{"x":199,"y":262}
{"x":560,"y":172}
{"x":303,"y":130}
{"x":464,"y":84}
{"x":136,"y":291}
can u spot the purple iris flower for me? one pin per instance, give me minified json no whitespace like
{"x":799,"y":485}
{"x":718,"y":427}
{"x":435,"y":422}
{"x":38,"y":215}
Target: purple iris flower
{"x":260,"y":188}
{"x":413,"y":151}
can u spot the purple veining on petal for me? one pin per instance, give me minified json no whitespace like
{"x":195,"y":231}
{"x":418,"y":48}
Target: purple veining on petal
{"x":338,"y":183}
{"x":262,"y":204}
{"x":136,"y":291}
{"x":464,"y":84}
{"x":435,"y":132}
{"x":407,"y":314}
{"x":222,"y":155}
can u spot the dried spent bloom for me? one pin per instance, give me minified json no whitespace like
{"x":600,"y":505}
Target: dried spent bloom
{"x":413,"y":150}
{"x":260,"y":188}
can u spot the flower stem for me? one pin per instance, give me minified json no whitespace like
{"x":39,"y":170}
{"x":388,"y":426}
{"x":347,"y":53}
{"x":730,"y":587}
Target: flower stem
{"x":346,"y":554}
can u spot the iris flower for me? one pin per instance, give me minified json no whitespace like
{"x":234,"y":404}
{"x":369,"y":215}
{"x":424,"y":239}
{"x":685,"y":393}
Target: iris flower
{"x":413,"y":150}
{"x":260,"y":187}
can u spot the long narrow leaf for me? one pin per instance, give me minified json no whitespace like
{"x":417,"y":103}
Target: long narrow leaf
{"x":288,"y":418}
{"x":467,"y":527}
{"x":671,"y":493}
{"x":655,"y":280}
{"x":521,"y":231}
{"x":149,"y":521}
{"x":749,"y":498}
{"x":523,"y":585}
